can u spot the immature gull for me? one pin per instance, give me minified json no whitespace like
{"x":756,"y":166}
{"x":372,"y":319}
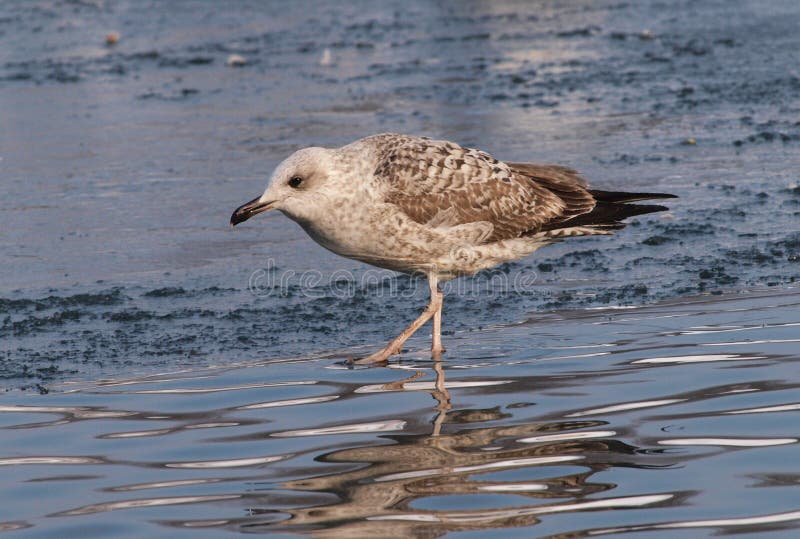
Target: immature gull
{"x":432,"y":207}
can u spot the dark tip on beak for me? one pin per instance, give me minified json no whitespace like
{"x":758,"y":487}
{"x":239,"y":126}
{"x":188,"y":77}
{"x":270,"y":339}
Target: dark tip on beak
{"x":246,"y":211}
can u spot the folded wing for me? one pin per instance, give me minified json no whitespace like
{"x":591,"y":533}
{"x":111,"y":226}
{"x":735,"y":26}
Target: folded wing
{"x":441,"y":184}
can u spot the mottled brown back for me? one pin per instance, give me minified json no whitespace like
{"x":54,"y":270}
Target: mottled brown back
{"x":440,"y":181}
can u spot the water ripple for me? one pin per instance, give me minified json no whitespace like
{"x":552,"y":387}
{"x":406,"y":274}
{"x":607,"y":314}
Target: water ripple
{"x":499,"y":464}
{"x":288,"y":402}
{"x":625,"y":407}
{"x":546,"y":438}
{"x":16,"y":461}
{"x":378,"y":426}
{"x":190,"y":391}
{"x":478,"y":516}
{"x":227,"y":463}
{"x":695,"y":359}
{"x":470,"y":448}
{"x":427,"y":386}
{"x":145,"y":502}
{"x":14,"y":525}
{"x":730,"y":525}
{"x":767,"y":409}
{"x":163,"y":484}
{"x":730,"y":442}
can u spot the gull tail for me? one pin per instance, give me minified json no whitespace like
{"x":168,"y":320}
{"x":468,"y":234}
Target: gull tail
{"x":611,"y":209}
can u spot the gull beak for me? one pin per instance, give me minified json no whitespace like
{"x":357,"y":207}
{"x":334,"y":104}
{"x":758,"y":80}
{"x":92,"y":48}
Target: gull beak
{"x":246,"y":211}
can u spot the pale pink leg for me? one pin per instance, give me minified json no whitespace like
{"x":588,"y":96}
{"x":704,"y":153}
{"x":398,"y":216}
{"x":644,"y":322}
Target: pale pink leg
{"x":430,"y":311}
{"x":436,"y":347}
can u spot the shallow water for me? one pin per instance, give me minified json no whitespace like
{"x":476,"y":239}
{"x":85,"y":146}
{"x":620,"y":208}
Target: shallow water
{"x":164,"y":372}
{"x":677,"y":417}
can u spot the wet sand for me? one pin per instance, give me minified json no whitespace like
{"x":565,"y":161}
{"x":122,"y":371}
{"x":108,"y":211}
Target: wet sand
{"x":122,"y":164}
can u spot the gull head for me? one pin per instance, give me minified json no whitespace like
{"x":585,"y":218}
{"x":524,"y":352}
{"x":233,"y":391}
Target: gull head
{"x":299,"y":187}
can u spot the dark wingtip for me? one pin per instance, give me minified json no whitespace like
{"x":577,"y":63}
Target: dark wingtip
{"x":641,"y":209}
{"x":608,"y":215}
{"x":623,"y":196}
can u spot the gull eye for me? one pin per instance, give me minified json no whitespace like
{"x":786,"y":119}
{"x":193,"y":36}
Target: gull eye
{"x":295,"y":182}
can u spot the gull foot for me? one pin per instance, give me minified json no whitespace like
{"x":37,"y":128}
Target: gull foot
{"x":381,"y":356}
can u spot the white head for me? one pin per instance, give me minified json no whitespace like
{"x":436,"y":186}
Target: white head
{"x":299,"y":187}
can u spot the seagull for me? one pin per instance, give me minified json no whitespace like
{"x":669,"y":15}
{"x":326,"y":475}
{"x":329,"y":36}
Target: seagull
{"x":432,"y":207}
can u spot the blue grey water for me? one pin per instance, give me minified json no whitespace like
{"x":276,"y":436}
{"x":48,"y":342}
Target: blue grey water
{"x":166,"y":375}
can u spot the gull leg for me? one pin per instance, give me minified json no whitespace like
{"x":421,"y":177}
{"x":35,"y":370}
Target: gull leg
{"x":436,"y":346}
{"x":396,"y":345}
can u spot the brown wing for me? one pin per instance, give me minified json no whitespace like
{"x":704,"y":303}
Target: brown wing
{"x":441,"y":183}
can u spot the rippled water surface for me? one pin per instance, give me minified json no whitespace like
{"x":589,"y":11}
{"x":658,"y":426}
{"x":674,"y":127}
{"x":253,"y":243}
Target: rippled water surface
{"x":678,"y":418}
{"x":165,"y":375}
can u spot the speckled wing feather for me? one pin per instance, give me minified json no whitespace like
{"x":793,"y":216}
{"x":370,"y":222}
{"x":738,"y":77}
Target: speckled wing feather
{"x":440,"y":183}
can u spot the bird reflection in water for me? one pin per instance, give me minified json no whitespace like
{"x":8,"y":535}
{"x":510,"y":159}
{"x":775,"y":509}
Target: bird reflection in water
{"x":442,"y":397}
{"x":385,"y":490}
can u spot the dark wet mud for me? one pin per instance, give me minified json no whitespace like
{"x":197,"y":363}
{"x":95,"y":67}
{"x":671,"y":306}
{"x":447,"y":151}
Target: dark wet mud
{"x":120,"y":165}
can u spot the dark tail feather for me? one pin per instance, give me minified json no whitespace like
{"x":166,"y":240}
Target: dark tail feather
{"x":610,"y":210}
{"x":610,"y":215}
{"x":621,"y":196}
{"x":606,"y":216}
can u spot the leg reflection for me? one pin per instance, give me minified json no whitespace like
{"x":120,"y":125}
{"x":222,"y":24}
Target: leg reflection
{"x":442,"y":397}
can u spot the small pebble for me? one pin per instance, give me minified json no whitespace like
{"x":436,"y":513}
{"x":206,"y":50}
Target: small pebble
{"x":327,"y":58}
{"x":112,"y":38}
{"x":236,"y":60}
